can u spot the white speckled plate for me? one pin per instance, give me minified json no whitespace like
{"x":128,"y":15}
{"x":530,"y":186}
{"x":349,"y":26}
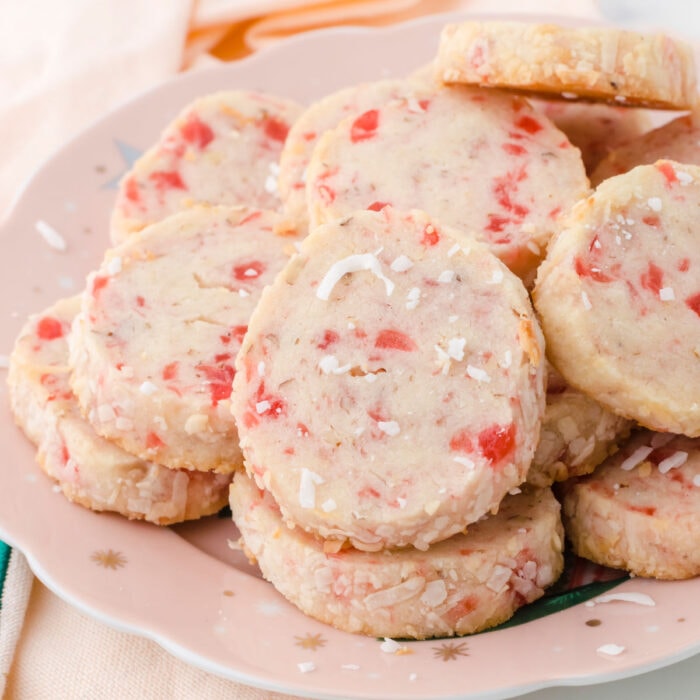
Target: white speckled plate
{"x":183,"y":586}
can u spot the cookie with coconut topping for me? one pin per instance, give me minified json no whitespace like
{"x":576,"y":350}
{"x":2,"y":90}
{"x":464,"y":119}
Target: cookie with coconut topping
{"x":677,"y":140}
{"x":640,"y":510}
{"x":480,"y":161}
{"x":223,"y":148}
{"x":577,"y":434}
{"x":326,"y":114}
{"x":391,"y":384}
{"x":162,"y":319}
{"x":593,"y":63}
{"x":596,"y":129}
{"x":619,"y":297}
{"x":462,"y":585}
{"x":90,"y":470}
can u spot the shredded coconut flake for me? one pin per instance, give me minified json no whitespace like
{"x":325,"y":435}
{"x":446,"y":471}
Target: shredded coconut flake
{"x":307,"y":488}
{"x":636,"y":458}
{"x":389,"y":646}
{"x":350,"y":667}
{"x":496,"y":277}
{"x":262,"y":406}
{"x":696,"y":480}
{"x":586,"y":301}
{"x":477,"y":373}
{"x":446,"y":276}
{"x":666,"y":294}
{"x":434,"y":594}
{"x":455,"y":348}
{"x":329,"y":365}
{"x":412,"y":298}
{"x":464,"y":461}
{"x":413,"y":105}
{"x":4,"y":361}
{"x":271,"y":184}
{"x":114,"y":266}
{"x":676,"y":460}
{"x":683,"y":177}
{"x":390,"y":427}
{"x":196,"y":423}
{"x":243,"y":293}
{"x":453,"y":250}
{"x":639,"y":598}
{"x":654,"y":203}
{"x":352,"y":263}
{"x":328,"y":505}
{"x":401,"y":264}
{"x":306,"y":666}
{"x":610,"y":649}
{"x":499,"y":578}
{"x":261,"y":368}
{"x":148,"y":388}
{"x":54,"y":239}
{"x":507,"y":359}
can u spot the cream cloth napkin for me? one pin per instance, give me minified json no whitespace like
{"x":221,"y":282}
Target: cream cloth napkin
{"x":63,"y":65}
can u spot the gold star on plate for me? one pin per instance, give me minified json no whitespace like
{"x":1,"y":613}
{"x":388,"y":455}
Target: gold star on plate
{"x":449,"y":651}
{"x":310,"y":641}
{"x":108,"y":558}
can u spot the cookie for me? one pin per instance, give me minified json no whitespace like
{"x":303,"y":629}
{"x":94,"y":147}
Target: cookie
{"x":640,"y":511}
{"x":90,"y":470}
{"x":596,"y":129}
{"x":321,"y":116}
{"x":677,"y":140}
{"x":594,"y":63}
{"x":223,"y":148}
{"x":479,"y":161}
{"x":390,"y":387}
{"x":577,"y":434}
{"x":619,"y":297}
{"x":463,"y":585}
{"x":162,"y":319}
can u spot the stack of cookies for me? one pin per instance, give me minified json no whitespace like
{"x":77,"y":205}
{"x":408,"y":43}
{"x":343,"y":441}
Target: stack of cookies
{"x":333,"y":304}
{"x":125,"y":389}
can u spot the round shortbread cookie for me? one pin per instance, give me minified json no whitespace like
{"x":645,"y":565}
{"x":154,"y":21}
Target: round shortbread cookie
{"x":462,"y":585}
{"x":222,"y":149}
{"x":318,"y":118}
{"x":577,"y":434}
{"x":677,"y":140}
{"x":162,"y":320}
{"x":640,"y":510}
{"x":595,"y":63}
{"x":391,"y":384}
{"x":619,"y":297}
{"x":90,"y":470}
{"x":483,"y":162}
{"x":595,"y":129}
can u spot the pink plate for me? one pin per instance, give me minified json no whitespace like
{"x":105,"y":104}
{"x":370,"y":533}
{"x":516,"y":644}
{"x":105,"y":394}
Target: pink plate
{"x":183,"y":586}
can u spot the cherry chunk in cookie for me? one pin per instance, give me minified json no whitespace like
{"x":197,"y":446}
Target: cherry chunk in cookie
{"x":390,"y":387}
